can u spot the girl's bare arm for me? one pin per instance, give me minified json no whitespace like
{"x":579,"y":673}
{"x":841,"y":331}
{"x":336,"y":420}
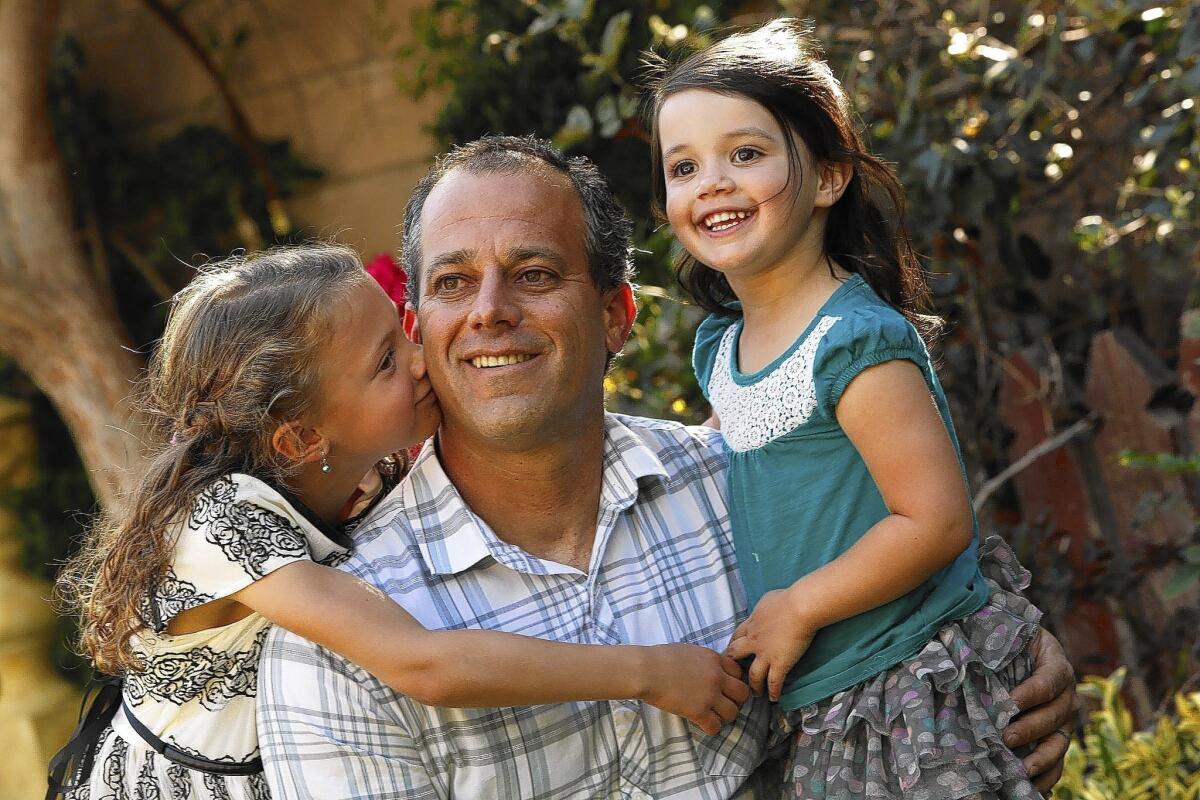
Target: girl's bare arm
{"x":891,"y":418}
{"x":487,"y":668}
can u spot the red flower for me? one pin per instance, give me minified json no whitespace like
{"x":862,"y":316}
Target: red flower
{"x":384,"y":269}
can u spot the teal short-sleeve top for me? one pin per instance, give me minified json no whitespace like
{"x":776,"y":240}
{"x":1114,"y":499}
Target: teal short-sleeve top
{"x":801,"y":495}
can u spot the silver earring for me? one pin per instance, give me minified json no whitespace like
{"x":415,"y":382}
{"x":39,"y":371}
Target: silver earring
{"x":325,"y":468}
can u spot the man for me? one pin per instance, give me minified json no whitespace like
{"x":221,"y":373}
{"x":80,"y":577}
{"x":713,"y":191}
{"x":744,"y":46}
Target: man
{"x":539,"y":514}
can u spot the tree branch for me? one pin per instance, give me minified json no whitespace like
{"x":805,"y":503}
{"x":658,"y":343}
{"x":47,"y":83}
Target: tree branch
{"x":243,"y":132}
{"x":1040,"y":449}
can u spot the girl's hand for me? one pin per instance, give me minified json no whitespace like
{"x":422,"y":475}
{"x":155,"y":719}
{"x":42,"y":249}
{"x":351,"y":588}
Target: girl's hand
{"x":696,"y":683}
{"x":776,"y":635}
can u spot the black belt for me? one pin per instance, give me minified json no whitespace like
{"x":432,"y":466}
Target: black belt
{"x":185,"y":759}
{"x":78,"y":755}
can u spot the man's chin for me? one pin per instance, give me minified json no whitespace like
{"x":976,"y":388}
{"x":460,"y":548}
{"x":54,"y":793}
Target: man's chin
{"x":508,"y":424}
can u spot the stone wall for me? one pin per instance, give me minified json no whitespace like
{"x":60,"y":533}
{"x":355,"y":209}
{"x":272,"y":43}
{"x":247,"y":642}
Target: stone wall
{"x":320,"y":73}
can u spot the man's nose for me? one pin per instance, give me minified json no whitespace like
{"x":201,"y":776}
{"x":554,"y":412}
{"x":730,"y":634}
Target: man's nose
{"x":494,"y":303}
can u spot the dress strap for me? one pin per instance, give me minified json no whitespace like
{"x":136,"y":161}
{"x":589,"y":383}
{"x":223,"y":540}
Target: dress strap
{"x":77,"y":756}
{"x":185,"y":759}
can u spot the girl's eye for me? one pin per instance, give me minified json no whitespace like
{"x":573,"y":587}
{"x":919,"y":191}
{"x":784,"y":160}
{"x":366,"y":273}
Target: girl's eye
{"x":683,"y":169}
{"x":389,"y":360}
{"x":745,"y":154}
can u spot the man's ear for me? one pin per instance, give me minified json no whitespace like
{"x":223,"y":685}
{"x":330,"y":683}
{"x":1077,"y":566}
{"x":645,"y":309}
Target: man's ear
{"x":620,"y":311}
{"x":835,"y":177}
{"x":412,"y":328}
{"x":297,"y":443}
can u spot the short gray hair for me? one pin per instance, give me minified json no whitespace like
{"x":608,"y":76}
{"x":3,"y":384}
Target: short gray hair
{"x":608,"y":230}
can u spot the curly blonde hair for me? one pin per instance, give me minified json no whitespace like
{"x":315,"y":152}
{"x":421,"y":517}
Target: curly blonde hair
{"x":237,"y":358}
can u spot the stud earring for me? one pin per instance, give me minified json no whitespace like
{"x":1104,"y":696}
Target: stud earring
{"x":325,"y":468}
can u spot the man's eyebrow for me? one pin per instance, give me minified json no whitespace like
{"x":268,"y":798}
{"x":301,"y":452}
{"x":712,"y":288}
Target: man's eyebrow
{"x":452,"y":259}
{"x":519,"y":254}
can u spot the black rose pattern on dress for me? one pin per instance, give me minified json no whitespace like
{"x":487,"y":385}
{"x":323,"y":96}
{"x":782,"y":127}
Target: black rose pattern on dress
{"x":247,"y":534}
{"x":114,"y":770}
{"x":147,"y":786}
{"x":216,"y":785}
{"x":173,"y":596}
{"x":214,"y":677}
{"x":179,"y":782}
{"x":258,"y":787}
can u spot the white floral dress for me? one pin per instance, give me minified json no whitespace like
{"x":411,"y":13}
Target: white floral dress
{"x":197,"y":693}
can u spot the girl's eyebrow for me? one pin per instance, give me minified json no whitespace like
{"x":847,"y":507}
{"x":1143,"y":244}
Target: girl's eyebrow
{"x":750,"y":131}
{"x":734,"y":134}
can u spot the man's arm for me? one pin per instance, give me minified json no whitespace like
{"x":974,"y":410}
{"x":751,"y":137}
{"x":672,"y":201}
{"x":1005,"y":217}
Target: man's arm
{"x":1048,"y":706}
{"x":329,"y":730}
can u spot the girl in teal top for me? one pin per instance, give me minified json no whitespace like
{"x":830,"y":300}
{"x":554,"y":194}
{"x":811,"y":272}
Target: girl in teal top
{"x":890,"y":652}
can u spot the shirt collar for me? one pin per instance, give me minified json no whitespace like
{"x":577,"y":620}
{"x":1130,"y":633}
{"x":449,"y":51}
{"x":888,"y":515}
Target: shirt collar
{"x":452,"y":539}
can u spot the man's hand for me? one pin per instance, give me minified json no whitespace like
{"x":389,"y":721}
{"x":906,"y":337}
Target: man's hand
{"x":1048,"y":708}
{"x":776,"y":635}
{"x":696,"y":683}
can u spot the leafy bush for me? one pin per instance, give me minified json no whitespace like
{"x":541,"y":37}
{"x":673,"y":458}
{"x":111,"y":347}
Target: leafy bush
{"x":1113,"y":762}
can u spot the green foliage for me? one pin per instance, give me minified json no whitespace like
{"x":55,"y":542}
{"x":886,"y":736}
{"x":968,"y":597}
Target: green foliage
{"x":1114,"y":762}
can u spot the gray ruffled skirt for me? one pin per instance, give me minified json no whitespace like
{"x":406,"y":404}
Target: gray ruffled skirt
{"x":929,"y":727}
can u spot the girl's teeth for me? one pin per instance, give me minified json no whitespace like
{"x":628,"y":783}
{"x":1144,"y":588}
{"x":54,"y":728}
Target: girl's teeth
{"x":714,"y":221}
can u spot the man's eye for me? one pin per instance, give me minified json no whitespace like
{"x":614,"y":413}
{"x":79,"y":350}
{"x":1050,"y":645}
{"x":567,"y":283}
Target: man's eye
{"x":535,"y":276}
{"x":448,"y":283}
{"x":744,"y":154}
{"x":683,"y":169}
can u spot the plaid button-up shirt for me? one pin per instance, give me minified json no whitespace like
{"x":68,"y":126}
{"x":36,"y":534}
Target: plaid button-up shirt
{"x":662,"y":570}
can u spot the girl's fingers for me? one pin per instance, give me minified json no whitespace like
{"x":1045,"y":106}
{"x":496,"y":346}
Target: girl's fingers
{"x":726,"y":709}
{"x":758,"y":674}
{"x":775,"y":677}
{"x":738,"y":648}
{"x":731,"y":667}
{"x":736,"y":689}
{"x":708,"y":722}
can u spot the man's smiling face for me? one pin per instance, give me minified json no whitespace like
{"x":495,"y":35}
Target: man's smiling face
{"x":515,"y":331}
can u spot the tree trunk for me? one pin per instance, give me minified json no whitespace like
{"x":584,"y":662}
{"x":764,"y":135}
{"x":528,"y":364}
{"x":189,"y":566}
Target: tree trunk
{"x":53,"y":323}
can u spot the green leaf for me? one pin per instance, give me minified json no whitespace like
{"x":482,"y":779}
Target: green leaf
{"x":607,"y":116}
{"x":1183,"y":579}
{"x":543,"y":23}
{"x":615,"y":34}
{"x":577,"y":128}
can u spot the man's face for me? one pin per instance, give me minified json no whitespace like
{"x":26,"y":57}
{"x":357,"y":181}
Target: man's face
{"x":515,"y":331}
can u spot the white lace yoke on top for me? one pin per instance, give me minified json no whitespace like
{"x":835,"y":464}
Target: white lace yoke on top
{"x":776,"y":404}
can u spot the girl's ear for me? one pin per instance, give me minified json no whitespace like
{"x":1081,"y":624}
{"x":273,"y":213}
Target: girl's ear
{"x":297,"y":443}
{"x":412,"y":328}
{"x":835,"y":177}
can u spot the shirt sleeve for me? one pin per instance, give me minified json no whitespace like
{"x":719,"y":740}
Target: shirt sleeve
{"x":868,"y":337}
{"x":227,"y":543}
{"x":331,"y":731}
{"x":706,"y":345}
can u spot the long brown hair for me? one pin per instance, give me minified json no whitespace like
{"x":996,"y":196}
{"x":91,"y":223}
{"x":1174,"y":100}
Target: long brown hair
{"x":237,"y":358}
{"x":779,"y":65}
